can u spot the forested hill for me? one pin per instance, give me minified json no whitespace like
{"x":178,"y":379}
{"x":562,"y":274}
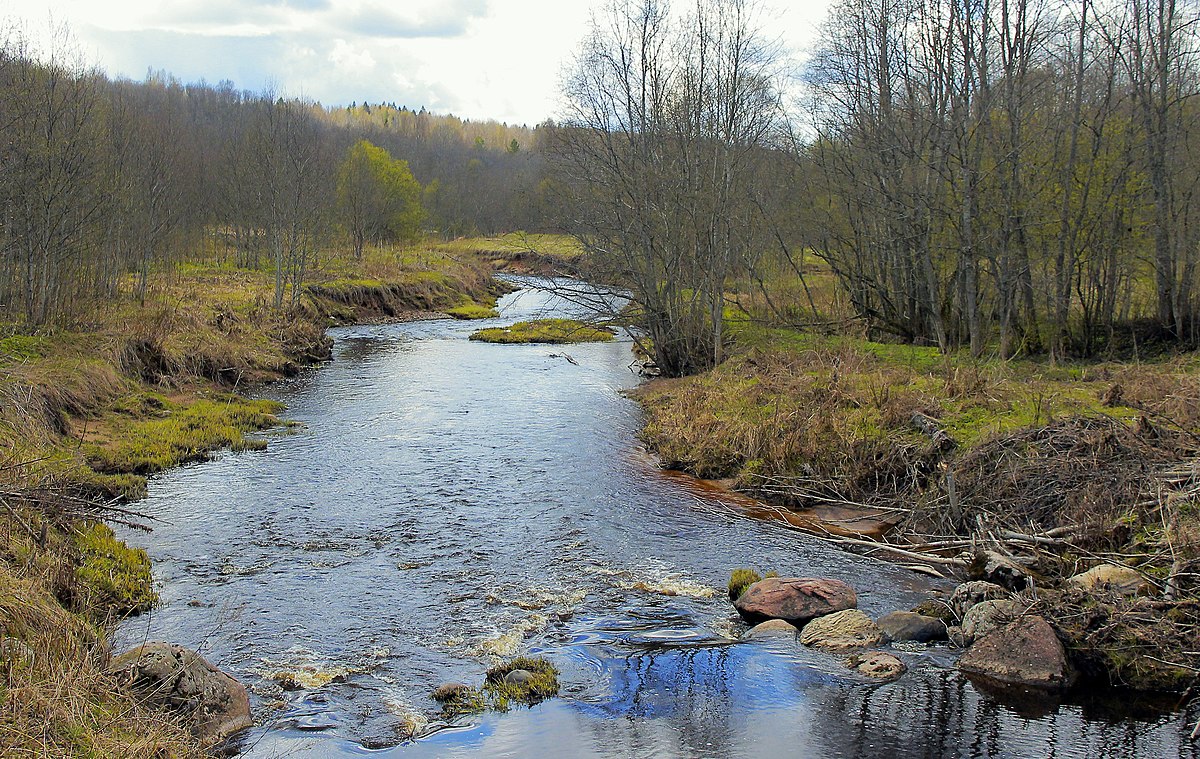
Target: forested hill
{"x":101,"y":177}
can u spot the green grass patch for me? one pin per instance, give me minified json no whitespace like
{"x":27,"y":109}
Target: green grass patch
{"x":739,"y":580}
{"x":472,"y":311}
{"x":23,"y":348}
{"x":527,"y":680}
{"x":182,"y":433}
{"x":553,"y":331}
{"x":116,"y":576}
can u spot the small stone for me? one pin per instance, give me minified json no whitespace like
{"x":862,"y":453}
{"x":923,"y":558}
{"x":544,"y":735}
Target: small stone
{"x":844,"y":629}
{"x":995,"y":568}
{"x":772,"y":628}
{"x":878,"y":665}
{"x":906,"y":625}
{"x":1113,"y":578}
{"x":970,"y":593}
{"x":986,"y":616}
{"x":16,"y":652}
{"x":518,"y":677}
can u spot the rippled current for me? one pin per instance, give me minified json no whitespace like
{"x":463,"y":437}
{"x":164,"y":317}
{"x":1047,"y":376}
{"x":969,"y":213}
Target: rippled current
{"x":446,"y":504}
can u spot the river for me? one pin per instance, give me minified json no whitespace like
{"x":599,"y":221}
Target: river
{"x":445,"y":504}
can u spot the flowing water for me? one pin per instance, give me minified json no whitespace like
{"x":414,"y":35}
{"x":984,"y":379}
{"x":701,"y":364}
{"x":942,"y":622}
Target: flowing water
{"x":447,"y":504}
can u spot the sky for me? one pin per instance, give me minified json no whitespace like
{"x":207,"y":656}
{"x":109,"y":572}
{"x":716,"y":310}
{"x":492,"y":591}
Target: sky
{"x":477,"y":59}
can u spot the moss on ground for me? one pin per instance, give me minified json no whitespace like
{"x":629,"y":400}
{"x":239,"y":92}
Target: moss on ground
{"x":115,"y":576}
{"x":179,"y":433}
{"x":553,"y":331}
{"x":538,"y":682}
{"x":739,"y":580}
{"x":472,"y":311}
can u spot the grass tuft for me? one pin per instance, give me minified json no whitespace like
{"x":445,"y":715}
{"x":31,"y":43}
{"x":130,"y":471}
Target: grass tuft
{"x":115,"y":576}
{"x":553,"y":331}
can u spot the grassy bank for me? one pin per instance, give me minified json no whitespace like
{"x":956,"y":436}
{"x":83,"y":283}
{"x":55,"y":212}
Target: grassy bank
{"x":88,"y":410}
{"x":1056,"y":467}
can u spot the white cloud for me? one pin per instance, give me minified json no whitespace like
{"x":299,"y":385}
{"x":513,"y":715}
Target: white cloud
{"x":476,"y":58}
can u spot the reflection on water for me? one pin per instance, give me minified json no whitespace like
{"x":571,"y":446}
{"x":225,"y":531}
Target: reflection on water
{"x":448,"y":503}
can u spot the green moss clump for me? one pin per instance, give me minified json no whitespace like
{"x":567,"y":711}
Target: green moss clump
{"x":457,"y":700}
{"x":553,"y":331}
{"x":496,"y":693}
{"x":937,"y":609}
{"x":116,"y":576}
{"x":541,"y":685}
{"x":472,"y":311}
{"x":741,"y":579}
{"x":183,"y":434}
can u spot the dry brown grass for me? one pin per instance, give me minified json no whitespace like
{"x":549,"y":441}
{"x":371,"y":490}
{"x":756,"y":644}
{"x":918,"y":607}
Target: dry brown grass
{"x":106,"y":391}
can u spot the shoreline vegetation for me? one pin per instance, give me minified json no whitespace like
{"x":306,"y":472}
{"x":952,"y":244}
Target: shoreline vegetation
{"x":1038,"y":475}
{"x":90,"y":410}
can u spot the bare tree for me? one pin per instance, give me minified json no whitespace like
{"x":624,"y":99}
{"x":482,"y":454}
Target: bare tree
{"x":666,"y":119}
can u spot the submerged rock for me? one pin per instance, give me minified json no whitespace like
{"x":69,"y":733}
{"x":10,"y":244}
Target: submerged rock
{"x":907,"y":625}
{"x":772,"y":628}
{"x":795,"y":599}
{"x":844,"y":629}
{"x":179,"y":681}
{"x":1026,"y":652}
{"x":970,"y":593}
{"x":878,"y":665}
{"x":1114,"y":578}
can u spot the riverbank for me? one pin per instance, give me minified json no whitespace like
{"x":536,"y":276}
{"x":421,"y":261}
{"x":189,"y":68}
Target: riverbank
{"x":961,"y":465}
{"x":89,"y":411}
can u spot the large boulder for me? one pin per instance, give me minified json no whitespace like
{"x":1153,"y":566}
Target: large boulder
{"x":1026,"y":652}
{"x":179,"y":681}
{"x":970,"y":593}
{"x":907,"y":625}
{"x":772,"y":628}
{"x":986,"y":616}
{"x":795,"y":599}
{"x":1113,"y":578}
{"x":842,"y":630}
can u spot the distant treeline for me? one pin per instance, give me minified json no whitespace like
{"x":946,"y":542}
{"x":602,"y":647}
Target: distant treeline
{"x":100,"y":177}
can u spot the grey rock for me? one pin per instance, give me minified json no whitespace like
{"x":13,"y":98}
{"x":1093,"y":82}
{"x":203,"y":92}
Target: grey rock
{"x":179,"y":681}
{"x":986,"y":616}
{"x":907,"y":625}
{"x":772,"y":628}
{"x":518,"y":677}
{"x":970,"y":593}
{"x":841,"y":630}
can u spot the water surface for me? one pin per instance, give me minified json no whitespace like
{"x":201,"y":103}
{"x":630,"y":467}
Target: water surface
{"x":447,"y":504}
